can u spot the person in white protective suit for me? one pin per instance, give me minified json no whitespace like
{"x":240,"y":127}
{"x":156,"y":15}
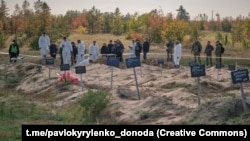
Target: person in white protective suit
{"x":44,"y":43}
{"x":66,"y":51}
{"x":80,"y":51}
{"x":177,"y":54}
{"x":132,"y":49}
{"x":93,"y":51}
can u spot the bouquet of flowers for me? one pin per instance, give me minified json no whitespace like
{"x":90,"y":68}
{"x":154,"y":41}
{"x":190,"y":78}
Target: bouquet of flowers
{"x":68,"y":78}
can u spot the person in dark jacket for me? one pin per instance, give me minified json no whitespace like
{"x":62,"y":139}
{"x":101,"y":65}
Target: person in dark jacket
{"x":13,"y":51}
{"x":145,"y":47}
{"x":196,"y":50}
{"x":53,"y":50}
{"x":138,"y":49}
{"x":110,"y":47}
{"x":74,"y":53}
{"x":61,"y":56}
{"x":170,"y":48}
{"x":208,"y":51}
{"x":104,"y":49}
{"x":218,"y":53}
{"x":119,"y":50}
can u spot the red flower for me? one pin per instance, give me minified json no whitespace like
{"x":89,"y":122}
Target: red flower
{"x":67,"y":77}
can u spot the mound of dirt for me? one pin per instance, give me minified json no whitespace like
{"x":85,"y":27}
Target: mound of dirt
{"x":165,"y":95}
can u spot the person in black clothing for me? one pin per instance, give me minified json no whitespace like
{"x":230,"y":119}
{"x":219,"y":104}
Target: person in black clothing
{"x":170,"y":47}
{"x":138,"y":49}
{"x":119,"y":50}
{"x":208,"y":51}
{"x":13,"y":51}
{"x":104,"y":50}
{"x":61,"y":56}
{"x":145,"y":47}
{"x":53,"y":50}
{"x":74,"y":53}
{"x":110,"y":47}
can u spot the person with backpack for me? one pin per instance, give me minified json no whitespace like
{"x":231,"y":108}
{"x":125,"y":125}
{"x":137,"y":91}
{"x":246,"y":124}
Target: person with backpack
{"x":219,"y":50}
{"x":13,"y":51}
{"x":196,"y":50}
{"x":208,"y":51}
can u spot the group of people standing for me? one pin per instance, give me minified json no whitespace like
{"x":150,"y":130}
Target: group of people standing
{"x":174,"y":52}
{"x":68,"y":49}
{"x":135,"y":48}
{"x":113,"y":48}
{"x":197,"y":49}
{"x":73,"y":53}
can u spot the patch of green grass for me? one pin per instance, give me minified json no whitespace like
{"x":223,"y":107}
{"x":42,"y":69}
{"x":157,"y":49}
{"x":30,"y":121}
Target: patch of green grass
{"x":12,"y":82}
{"x":144,"y":115}
{"x":15,"y":110}
{"x":93,"y":103}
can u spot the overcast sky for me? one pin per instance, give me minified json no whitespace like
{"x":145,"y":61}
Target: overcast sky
{"x":225,"y":8}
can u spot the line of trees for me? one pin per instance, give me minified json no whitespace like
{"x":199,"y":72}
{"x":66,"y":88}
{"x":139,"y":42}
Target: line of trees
{"x":27,"y":24}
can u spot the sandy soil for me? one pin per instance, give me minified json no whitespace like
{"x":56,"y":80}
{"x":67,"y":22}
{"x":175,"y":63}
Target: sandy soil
{"x":167,"y":95}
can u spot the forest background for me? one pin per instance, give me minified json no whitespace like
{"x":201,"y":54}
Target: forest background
{"x":28,"y":21}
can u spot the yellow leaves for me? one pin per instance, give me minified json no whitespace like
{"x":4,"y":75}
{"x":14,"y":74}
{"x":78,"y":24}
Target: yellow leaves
{"x":81,"y":30}
{"x":176,"y":30}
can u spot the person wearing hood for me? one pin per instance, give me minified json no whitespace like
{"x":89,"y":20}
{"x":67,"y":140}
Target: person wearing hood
{"x":44,"y":43}
{"x":177,"y":54}
{"x":93,"y":51}
{"x":132,"y":49}
{"x":81,"y":51}
{"x":66,"y":51}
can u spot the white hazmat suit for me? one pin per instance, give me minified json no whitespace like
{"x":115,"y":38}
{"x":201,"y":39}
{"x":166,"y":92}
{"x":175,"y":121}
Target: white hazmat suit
{"x":93,"y":51}
{"x":132,"y":50}
{"x":66,"y":51}
{"x":177,"y":53}
{"x":44,"y":43}
{"x":80,"y":51}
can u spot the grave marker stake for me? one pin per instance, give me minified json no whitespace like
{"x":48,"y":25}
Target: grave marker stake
{"x":80,"y":70}
{"x":161,"y":69}
{"x":243,"y":97}
{"x":199,"y":90}
{"x":81,"y":82}
{"x":111,"y":78}
{"x":49,"y":72}
{"x":132,"y":63}
{"x":138,"y":93}
{"x":240,"y":76}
